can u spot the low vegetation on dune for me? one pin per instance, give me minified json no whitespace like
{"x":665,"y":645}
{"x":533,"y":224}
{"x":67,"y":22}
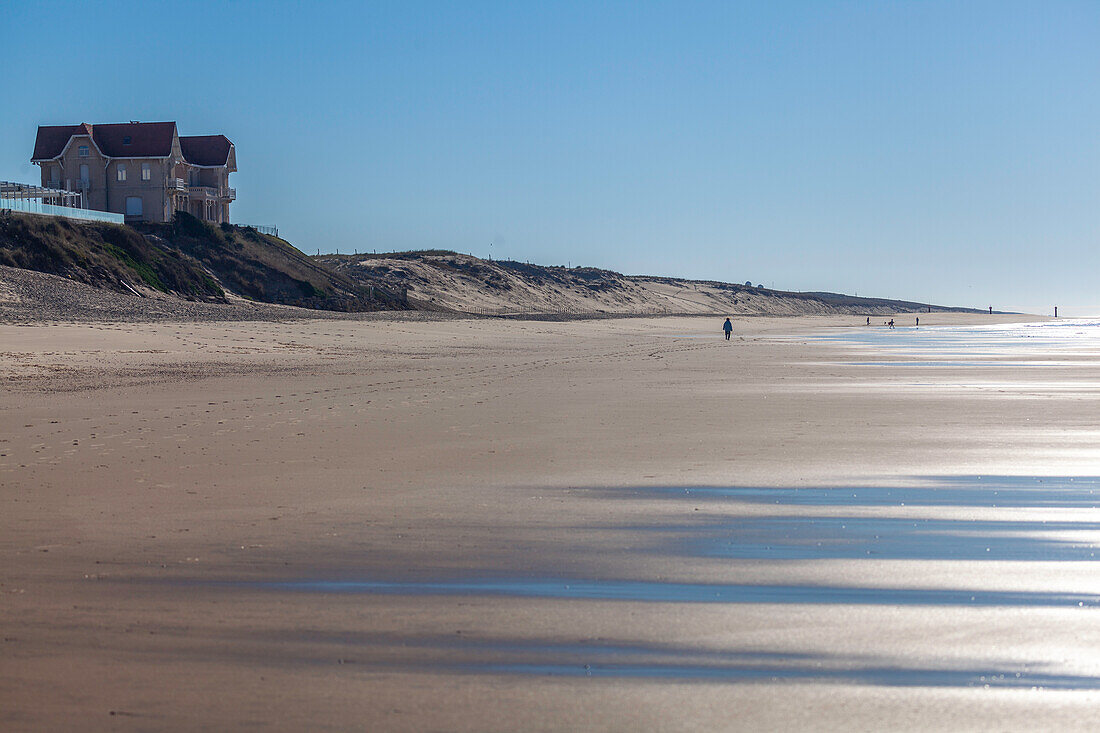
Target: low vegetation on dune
{"x":188,"y":258}
{"x":110,"y":256}
{"x":265,"y":268}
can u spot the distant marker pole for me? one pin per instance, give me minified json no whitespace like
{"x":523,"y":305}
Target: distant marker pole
{"x":1055,"y":311}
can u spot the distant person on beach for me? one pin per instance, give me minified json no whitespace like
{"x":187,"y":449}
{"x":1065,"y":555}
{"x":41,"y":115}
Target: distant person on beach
{"x":891,"y":323}
{"x":728,"y":328}
{"x":868,"y":320}
{"x":918,"y":320}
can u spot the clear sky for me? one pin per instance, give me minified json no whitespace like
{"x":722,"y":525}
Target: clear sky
{"x":934,"y":151}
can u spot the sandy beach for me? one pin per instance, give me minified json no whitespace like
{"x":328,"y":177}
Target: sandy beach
{"x":622,"y":524}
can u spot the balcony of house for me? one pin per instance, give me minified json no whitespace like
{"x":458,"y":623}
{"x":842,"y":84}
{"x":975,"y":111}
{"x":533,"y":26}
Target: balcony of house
{"x":211,"y":193}
{"x":80,"y":184}
{"x":176,"y":184}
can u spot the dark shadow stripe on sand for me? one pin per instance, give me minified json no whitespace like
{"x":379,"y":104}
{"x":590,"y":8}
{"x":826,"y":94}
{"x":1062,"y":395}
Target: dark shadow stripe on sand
{"x":814,"y":538}
{"x":878,"y":676}
{"x":966,"y":363}
{"x":937,"y":491}
{"x":625,"y":659}
{"x":660,"y":592}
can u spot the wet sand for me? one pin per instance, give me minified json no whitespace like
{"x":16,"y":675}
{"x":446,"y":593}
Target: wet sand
{"x":501,"y":525}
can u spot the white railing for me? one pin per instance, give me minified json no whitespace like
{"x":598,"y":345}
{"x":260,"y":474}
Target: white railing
{"x":213,"y":192}
{"x":32,"y":206}
{"x":177,"y":184}
{"x":263,"y":229}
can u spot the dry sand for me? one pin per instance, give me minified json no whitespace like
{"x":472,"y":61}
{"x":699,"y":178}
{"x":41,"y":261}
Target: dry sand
{"x":157,"y":477}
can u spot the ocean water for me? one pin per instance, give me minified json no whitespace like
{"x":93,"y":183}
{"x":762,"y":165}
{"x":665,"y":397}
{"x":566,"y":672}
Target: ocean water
{"x":1056,"y":343}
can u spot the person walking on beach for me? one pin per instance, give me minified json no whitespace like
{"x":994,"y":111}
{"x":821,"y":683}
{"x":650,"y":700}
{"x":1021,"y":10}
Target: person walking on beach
{"x":728,"y":328}
{"x":891,"y":323}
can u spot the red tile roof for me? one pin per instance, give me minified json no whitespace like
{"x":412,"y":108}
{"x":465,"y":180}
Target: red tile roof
{"x":52,"y":140}
{"x":145,"y":140}
{"x":206,"y":149}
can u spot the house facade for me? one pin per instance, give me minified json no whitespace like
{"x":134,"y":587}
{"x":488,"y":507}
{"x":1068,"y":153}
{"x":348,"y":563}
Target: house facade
{"x":143,"y":170}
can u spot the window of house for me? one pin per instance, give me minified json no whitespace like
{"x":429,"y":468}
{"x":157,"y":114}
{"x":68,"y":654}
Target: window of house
{"x":122,"y":171}
{"x":146,"y":172}
{"x":83,"y":149}
{"x":84,"y":174}
{"x":55,"y":173}
{"x":134,"y":206}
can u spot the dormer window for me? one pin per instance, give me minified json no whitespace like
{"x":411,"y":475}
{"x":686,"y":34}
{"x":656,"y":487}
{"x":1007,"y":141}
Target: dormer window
{"x":126,"y":140}
{"x":83,"y":150}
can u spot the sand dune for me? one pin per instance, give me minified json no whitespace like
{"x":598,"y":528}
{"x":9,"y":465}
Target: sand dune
{"x":455,"y":282}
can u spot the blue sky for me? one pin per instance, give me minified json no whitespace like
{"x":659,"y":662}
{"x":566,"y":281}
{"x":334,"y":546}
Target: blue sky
{"x":942,"y":151}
